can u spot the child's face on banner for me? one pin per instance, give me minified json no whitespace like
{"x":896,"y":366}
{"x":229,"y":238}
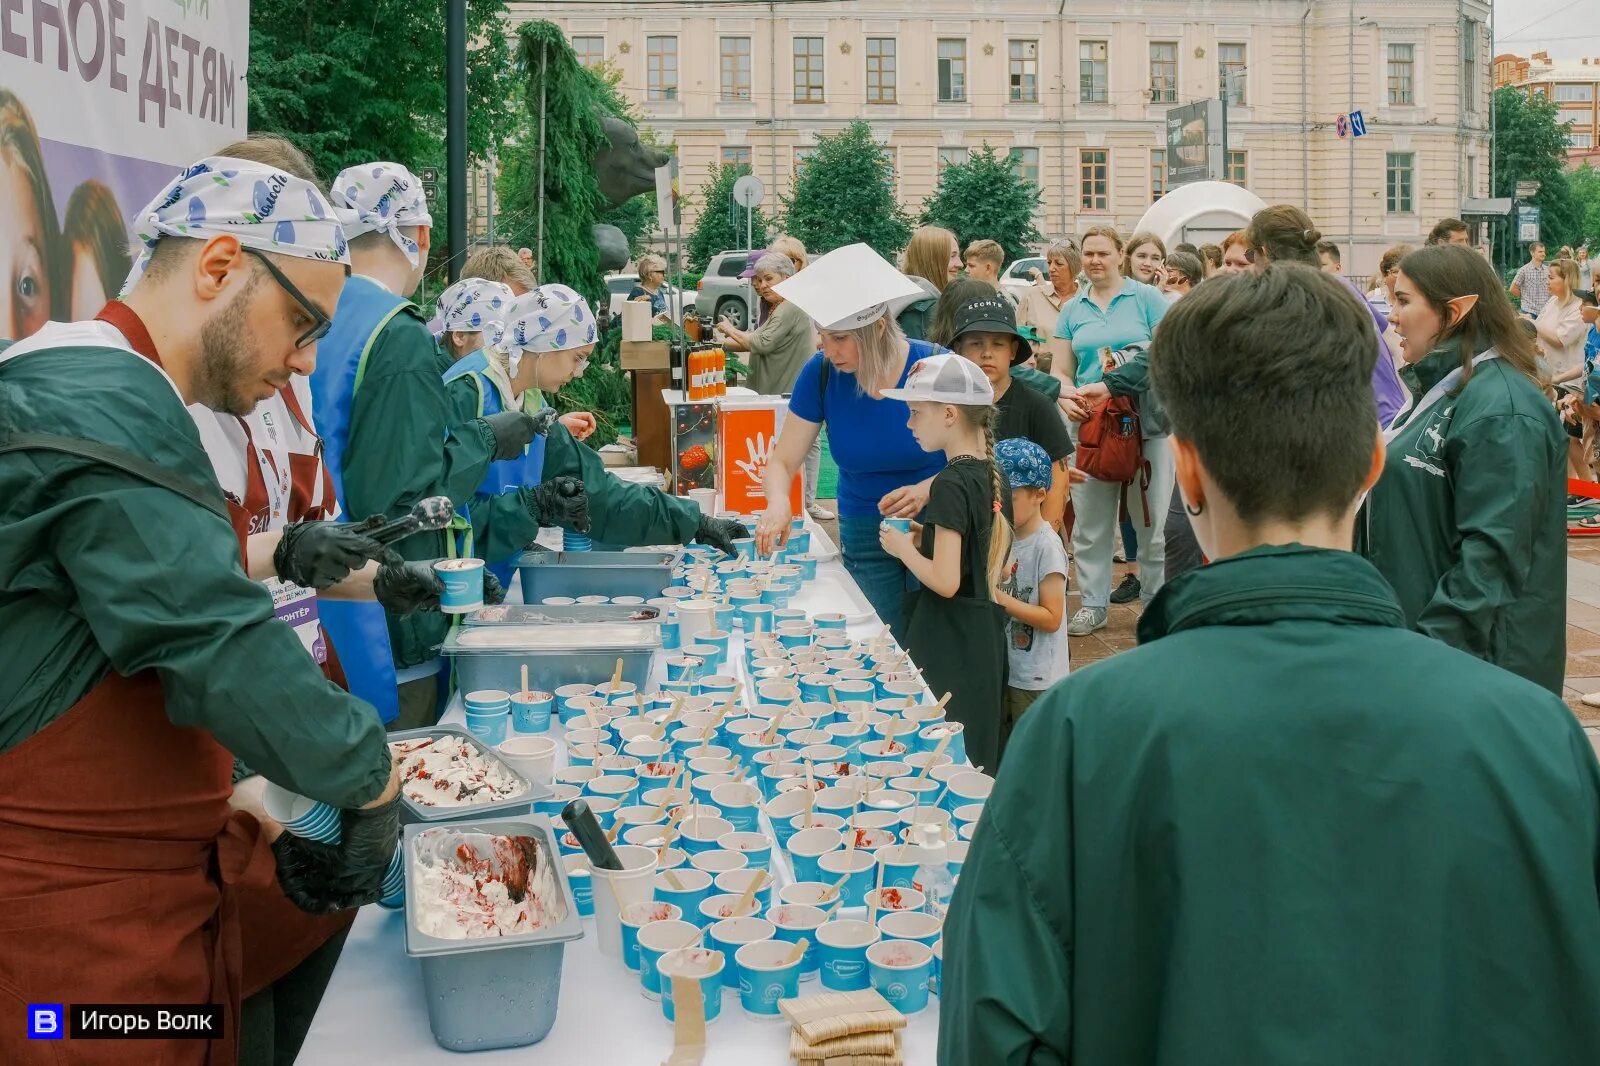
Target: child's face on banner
{"x":23,"y":269}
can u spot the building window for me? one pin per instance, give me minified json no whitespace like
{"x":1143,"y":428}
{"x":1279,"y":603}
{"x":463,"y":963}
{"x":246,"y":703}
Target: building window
{"x":1469,"y":65}
{"x":802,"y":156}
{"x":1583,"y":94}
{"x":1158,"y":173}
{"x":661,"y":68}
{"x":1163,"y":72}
{"x":1092,"y":72}
{"x":735,"y":68}
{"x":1398,"y":166}
{"x":949,"y":157}
{"x":1024,"y":72}
{"x":808,"y":70}
{"x":736,"y":155}
{"x":1025,"y":164}
{"x":1237,"y":167}
{"x":1094,"y":179}
{"x":880,"y":70}
{"x":952,"y":70}
{"x":1579,"y":140}
{"x":1231,"y":72}
{"x":591,"y":50}
{"x":1402,"y":74}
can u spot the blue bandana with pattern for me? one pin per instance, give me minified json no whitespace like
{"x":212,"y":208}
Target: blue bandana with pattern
{"x":1024,"y":463}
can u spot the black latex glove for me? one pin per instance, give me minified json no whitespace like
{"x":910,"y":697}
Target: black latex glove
{"x":720,"y":533}
{"x":405,"y":587}
{"x":370,"y":837}
{"x":308,"y":872}
{"x":513,"y":431}
{"x":560,"y":501}
{"x":493,"y":591}
{"x":319,"y":554}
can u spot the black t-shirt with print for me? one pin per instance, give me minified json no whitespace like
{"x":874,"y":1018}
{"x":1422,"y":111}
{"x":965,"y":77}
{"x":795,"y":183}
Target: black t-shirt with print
{"x":1023,"y":412}
{"x":962,"y":499}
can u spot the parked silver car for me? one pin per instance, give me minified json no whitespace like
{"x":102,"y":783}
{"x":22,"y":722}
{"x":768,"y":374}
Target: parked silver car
{"x":722,"y":292}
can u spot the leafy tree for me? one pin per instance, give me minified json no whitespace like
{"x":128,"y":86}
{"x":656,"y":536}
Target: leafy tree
{"x":1530,"y":144}
{"x":985,"y":197}
{"x":845,"y":195}
{"x":718,"y":229}
{"x":1586,"y":188}
{"x":354,"y":82}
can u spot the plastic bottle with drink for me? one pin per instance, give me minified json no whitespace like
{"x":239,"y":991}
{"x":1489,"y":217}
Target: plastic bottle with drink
{"x":933,"y":878}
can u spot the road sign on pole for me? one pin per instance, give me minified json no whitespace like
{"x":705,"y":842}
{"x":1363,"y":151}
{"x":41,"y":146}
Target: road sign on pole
{"x":1342,"y":125}
{"x":1358,"y":124}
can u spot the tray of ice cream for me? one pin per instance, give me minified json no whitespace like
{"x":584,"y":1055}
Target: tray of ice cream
{"x":555,"y":653}
{"x":524,"y":614}
{"x":489,"y":911}
{"x":594,"y":573}
{"x":446,"y":774}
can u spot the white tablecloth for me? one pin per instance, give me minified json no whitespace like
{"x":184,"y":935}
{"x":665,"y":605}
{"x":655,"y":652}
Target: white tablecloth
{"x":374,"y":1010}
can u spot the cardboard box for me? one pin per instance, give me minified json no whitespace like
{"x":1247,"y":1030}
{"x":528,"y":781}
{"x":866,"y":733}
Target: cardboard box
{"x":646,"y":355}
{"x":637,"y":321}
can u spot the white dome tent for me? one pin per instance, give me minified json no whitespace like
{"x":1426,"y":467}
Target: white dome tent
{"x":1201,"y":212}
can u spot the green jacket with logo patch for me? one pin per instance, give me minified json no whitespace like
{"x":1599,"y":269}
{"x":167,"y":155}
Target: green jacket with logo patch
{"x":1468,"y":522}
{"x":1282,"y":830}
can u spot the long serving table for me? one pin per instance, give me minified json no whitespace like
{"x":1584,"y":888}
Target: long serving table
{"x":374,"y":1010}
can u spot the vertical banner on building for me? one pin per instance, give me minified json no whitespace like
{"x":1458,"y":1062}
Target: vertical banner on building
{"x":748,"y":436}
{"x":1194,"y":143}
{"x":101,"y":101}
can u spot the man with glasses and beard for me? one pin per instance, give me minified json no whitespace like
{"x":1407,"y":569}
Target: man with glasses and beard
{"x":133,"y":645}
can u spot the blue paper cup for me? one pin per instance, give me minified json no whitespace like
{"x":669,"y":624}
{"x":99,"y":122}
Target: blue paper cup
{"x":900,"y":862}
{"x":582,"y":882}
{"x":685,"y":667}
{"x":766,"y":974}
{"x":806,"y":849}
{"x":777,"y":595}
{"x":575,"y":542}
{"x":858,"y":865}
{"x":966,"y":788}
{"x":842,"y":954}
{"x":566,"y":694}
{"x":728,"y":935}
{"x":799,"y":543}
{"x":530,"y":712}
{"x":756,"y":617}
{"x":830,"y":620}
{"x":807,"y":565}
{"x":393,"y":890}
{"x":936,"y":981}
{"x":756,"y":847}
{"x":561,"y":794}
{"x":930,"y":736}
{"x":901,"y":970}
{"x":704,"y":967}
{"x":724,"y":614}
{"x":717,"y":863}
{"x":734,"y":883}
{"x":490,"y":728}
{"x":463,"y":585}
{"x":670,"y":632}
{"x":911,"y":925}
{"x":302,"y":816}
{"x":901,"y":524}
{"x":688,"y":686}
{"x":740,"y":803}
{"x":797,"y":921}
{"x":637,"y":915}
{"x":657,"y":940}
{"x":694,"y":889}
{"x":698,"y":835}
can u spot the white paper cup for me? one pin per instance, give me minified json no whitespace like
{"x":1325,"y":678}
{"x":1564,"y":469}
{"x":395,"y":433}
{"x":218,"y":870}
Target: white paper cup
{"x":533,"y":757}
{"x":705,"y":499}
{"x":635,"y":883}
{"x":694,"y":618}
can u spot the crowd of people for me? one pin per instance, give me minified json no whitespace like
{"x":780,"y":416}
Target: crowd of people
{"x":1341,"y":738}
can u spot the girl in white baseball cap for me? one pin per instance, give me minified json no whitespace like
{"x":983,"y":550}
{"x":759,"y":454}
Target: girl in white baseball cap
{"x":954,"y":629}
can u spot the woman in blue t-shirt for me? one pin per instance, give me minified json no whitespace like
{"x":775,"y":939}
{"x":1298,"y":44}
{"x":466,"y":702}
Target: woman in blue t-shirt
{"x":883,"y":472}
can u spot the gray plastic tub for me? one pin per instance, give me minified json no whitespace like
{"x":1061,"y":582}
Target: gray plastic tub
{"x":493,"y":992}
{"x":516,"y":805}
{"x":556,"y":654}
{"x":594,"y":573}
{"x":523,"y":614}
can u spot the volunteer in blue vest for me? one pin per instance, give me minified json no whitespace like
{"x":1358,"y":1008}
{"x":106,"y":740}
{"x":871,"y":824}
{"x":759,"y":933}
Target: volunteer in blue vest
{"x":469,"y":314}
{"x":137,"y":658}
{"x":387,"y":427}
{"x":1469,"y":522}
{"x":1283,"y":829}
{"x":543,"y":344}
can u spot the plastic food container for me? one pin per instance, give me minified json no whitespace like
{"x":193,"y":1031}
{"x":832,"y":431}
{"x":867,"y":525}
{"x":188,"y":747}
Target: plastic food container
{"x":493,"y":992}
{"x":520,"y":804}
{"x":596,"y":573}
{"x":523,"y":614}
{"x":556,"y":654}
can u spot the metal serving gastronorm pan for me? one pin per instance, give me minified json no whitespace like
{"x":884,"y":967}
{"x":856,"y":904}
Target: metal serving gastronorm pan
{"x":521,"y":614}
{"x":594,"y":573}
{"x":556,"y":654}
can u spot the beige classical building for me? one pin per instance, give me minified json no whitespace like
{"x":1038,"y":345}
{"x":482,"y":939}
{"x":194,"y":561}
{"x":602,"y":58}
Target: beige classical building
{"x":1575,"y":87}
{"x":1076,"y":94}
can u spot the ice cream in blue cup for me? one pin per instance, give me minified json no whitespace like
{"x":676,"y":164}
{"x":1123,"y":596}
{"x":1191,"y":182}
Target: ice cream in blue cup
{"x":768,"y":970}
{"x":734,"y":884}
{"x":393,"y":890}
{"x":723,"y":616}
{"x":900,"y":970}
{"x":807,"y":565}
{"x":745,"y":547}
{"x":739,"y":598}
{"x":669,"y":632}
{"x":637,"y":915}
{"x":740,"y":803}
{"x":911,"y":925}
{"x":490,"y":727}
{"x":699,"y":833}
{"x":966,"y":788}
{"x":797,"y":636}
{"x":806,"y":849}
{"x":686,"y":889}
{"x":463,"y":585}
{"x":756,"y":617}
{"x":814,"y":687}
{"x":302,"y":816}
{"x":624,"y":788}
{"x":699,"y":965}
{"x":711,"y":657}
{"x":842,"y":954}
{"x":561,"y":794}
{"x":830,"y":620}
{"x":756,"y":847}
{"x":658,"y":939}
{"x":582,"y":882}
{"x":799,"y":543}
{"x":796,"y":922}
{"x":531,"y":711}
{"x":856,"y":867}
{"x":901,"y":524}
{"x":931,"y":736}
{"x":773,"y":775}
{"x":684,"y":667}
{"x":684,"y":686}
{"x":850,"y":689}
{"x":728,"y":935}
{"x":566,"y":694}
{"x":713,"y":638}
{"x":777,"y":595}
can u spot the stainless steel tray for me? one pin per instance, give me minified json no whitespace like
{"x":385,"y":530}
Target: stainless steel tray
{"x":594,"y":573}
{"x":522,"y":614}
{"x":520,"y":804}
{"x":575,"y":653}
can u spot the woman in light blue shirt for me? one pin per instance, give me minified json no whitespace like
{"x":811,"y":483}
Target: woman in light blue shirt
{"x":1110,"y":313}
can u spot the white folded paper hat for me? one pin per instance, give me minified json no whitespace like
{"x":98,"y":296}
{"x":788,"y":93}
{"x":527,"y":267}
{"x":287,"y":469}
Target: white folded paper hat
{"x":848,"y":288}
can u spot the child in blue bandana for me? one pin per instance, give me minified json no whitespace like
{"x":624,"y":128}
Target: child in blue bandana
{"x":1034,"y":592}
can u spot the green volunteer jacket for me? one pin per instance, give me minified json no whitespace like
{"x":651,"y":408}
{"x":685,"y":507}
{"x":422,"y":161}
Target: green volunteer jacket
{"x":1282,"y":830}
{"x":103,"y":571}
{"x":1468,"y":522}
{"x":394,"y":457}
{"x":620,"y":512}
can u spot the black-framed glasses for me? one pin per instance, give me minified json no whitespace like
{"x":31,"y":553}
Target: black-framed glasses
{"x":320,"y":323}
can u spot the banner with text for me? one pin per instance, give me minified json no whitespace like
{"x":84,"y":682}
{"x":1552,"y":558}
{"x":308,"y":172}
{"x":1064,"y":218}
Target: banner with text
{"x":101,"y":102}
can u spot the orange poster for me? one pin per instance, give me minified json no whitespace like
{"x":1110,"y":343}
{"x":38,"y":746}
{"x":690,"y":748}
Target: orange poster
{"x":747,"y":437}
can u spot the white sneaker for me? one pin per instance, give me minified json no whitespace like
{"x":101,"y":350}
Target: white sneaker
{"x":1086,"y":621}
{"x":820,"y":513}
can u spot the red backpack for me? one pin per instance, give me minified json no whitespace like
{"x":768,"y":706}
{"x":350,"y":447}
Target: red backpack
{"x":1110,"y":447}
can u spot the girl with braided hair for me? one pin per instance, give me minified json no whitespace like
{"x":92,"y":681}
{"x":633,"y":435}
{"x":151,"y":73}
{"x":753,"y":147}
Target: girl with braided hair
{"x":954,"y":628}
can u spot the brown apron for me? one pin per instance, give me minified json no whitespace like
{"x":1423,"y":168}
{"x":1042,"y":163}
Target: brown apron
{"x":120,"y":865}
